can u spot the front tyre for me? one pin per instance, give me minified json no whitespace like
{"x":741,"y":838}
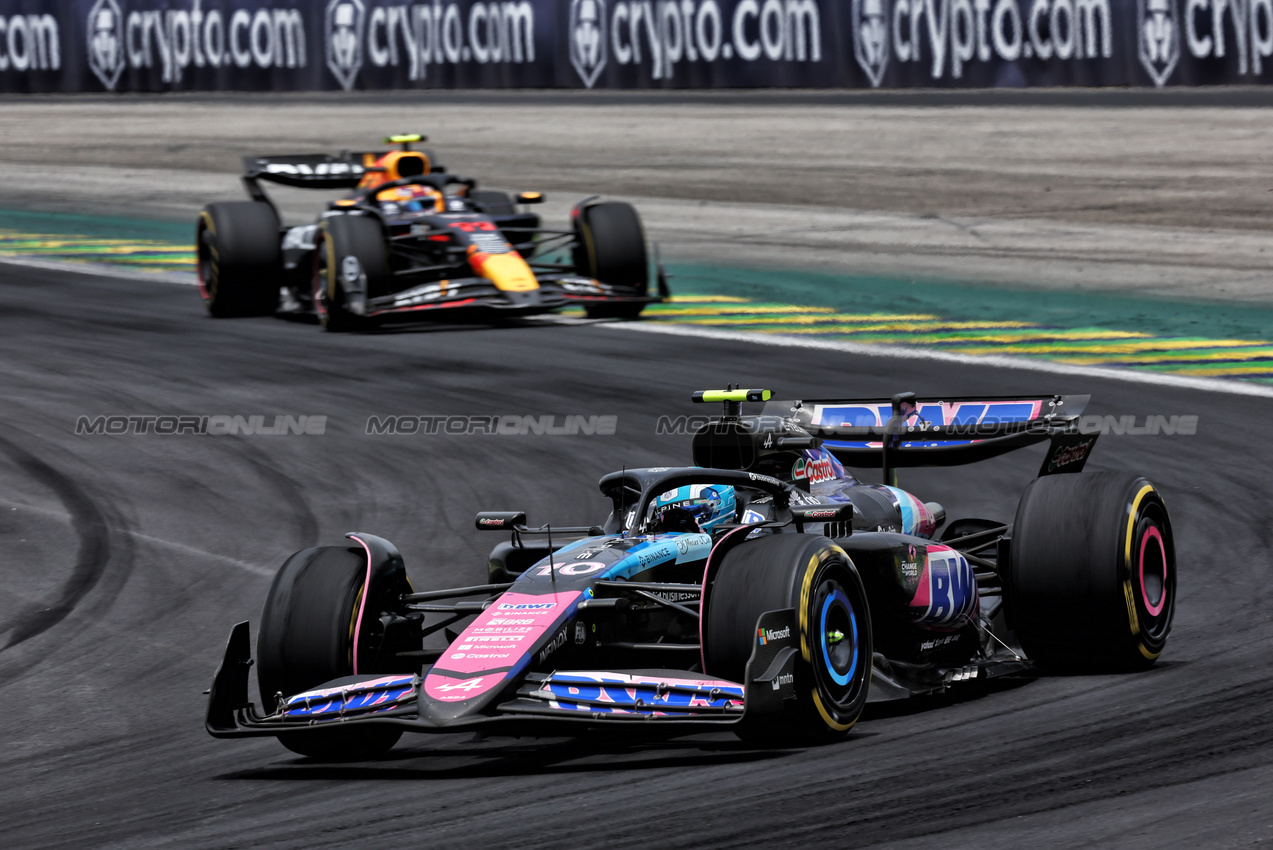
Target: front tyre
{"x":817,"y":579}
{"x":610,"y":247}
{"x":1092,"y":574}
{"x":350,"y":265}
{"x":239,"y":258}
{"x":310,"y":630}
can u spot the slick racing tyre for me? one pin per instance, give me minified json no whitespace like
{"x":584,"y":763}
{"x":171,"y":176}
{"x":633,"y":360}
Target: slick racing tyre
{"x":814,"y":577}
{"x":610,"y":247}
{"x":240,"y":259}
{"x":310,"y":630}
{"x":1091,"y":581}
{"x":350,"y":266}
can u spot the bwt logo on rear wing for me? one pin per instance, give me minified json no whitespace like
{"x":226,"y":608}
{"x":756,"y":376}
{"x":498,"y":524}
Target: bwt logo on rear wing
{"x":958,"y":416}
{"x":308,"y":171}
{"x":906,"y":431}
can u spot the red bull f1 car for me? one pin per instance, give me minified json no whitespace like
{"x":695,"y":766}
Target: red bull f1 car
{"x":764,"y":590}
{"x":413,"y":241}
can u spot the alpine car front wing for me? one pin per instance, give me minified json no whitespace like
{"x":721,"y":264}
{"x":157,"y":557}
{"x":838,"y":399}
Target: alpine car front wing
{"x":541,"y":703}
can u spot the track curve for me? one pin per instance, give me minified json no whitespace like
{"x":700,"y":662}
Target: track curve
{"x":103,"y":714}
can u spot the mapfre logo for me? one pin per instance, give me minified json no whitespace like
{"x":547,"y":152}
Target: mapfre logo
{"x":871,"y":38}
{"x":106,"y":42}
{"x":1158,"y":38}
{"x":588,"y":38}
{"x":346,"y":20}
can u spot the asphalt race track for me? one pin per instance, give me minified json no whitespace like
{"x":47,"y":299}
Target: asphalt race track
{"x":129,"y":557}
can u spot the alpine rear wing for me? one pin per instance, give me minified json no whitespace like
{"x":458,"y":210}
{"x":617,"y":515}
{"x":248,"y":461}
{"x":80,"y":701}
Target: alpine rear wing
{"x":909,"y":432}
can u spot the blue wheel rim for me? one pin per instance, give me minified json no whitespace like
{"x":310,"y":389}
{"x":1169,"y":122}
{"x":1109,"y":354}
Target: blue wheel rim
{"x":842,"y":679}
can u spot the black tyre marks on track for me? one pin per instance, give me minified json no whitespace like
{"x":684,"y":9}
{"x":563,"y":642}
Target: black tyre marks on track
{"x":94,"y":552}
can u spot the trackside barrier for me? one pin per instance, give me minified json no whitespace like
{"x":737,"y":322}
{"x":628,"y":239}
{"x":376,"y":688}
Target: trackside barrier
{"x":291,"y":45}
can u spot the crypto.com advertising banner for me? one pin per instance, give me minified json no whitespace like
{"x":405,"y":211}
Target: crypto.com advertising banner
{"x":250,"y":45}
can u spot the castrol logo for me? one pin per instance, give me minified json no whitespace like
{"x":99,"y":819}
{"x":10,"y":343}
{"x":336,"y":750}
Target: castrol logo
{"x":813,"y":471}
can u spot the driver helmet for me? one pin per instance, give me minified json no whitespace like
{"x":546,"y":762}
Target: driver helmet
{"x":412,"y":197}
{"x":695,"y":507}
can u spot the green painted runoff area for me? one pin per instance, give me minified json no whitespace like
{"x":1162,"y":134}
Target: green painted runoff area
{"x":1195,"y":337}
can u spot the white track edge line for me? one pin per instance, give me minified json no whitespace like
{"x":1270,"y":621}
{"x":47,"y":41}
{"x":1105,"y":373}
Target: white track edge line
{"x":1216,"y":385}
{"x":157,"y":541}
{"x":100,"y":270}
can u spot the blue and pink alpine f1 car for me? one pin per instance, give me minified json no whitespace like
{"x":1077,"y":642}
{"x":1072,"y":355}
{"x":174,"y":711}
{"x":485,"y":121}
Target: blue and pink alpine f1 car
{"x":765,"y":590}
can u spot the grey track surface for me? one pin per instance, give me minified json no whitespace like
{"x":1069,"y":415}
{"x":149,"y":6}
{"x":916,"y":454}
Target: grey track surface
{"x":1164,"y":193}
{"x":128,"y":558}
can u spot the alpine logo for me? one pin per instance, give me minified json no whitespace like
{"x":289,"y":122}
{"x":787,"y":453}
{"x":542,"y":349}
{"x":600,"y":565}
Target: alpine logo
{"x":345,"y":22}
{"x":466,"y":685}
{"x":106,"y":42}
{"x":1158,"y":38}
{"x":588,"y":39}
{"x":871,"y":38}
{"x":767,"y":636}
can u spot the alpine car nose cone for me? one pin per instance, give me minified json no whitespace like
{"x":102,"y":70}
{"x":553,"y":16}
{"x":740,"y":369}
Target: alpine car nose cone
{"x":493,"y":650}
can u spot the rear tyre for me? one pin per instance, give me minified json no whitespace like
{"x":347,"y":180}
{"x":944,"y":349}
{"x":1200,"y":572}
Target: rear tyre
{"x":833,"y":672}
{"x":307,"y":637}
{"x":1092,"y":575}
{"x":240,"y":259}
{"x":351,"y":265}
{"x":610,"y":247}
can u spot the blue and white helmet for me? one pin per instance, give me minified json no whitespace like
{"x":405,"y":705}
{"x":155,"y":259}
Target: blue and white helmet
{"x":701,"y":505}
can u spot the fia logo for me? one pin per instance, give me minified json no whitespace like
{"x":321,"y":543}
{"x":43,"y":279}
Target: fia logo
{"x":1159,"y":38}
{"x":345,"y":21}
{"x":871,"y":38}
{"x":588,"y":38}
{"x":106,"y":42}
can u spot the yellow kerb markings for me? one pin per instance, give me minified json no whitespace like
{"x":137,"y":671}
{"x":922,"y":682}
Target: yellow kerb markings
{"x":1081,"y":346}
{"x":142,"y":254}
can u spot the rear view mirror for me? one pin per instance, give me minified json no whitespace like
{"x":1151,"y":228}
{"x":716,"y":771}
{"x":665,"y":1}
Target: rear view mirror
{"x":530,"y":197}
